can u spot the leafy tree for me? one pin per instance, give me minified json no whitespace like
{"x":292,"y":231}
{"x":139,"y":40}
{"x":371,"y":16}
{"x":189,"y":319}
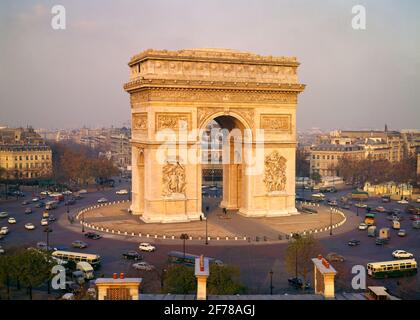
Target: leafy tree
{"x":224,"y":280}
{"x":179,"y":279}
{"x":36,"y":269}
{"x":316,"y":177}
{"x":6,"y":272}
{"x":300,"y":250}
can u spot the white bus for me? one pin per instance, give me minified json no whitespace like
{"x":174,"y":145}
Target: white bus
{"x":396,"y":268}
{"x":93,"y":259}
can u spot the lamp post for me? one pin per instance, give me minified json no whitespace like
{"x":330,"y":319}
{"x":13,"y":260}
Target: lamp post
{"x":47,"y":230}
{"x":207,"y":214}
{"x":83,"y":222}
{"x":331,"y":211}
{"x":271,"y":281}
{"x":184,"y":237}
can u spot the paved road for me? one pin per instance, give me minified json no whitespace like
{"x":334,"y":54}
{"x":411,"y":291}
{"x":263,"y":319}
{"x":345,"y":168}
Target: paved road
{"x":255,"y":261}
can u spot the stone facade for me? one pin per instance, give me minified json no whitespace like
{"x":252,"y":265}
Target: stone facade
{"x":183,"y":91}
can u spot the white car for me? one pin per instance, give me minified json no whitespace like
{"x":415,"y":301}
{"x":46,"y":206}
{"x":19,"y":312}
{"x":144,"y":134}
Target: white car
{"x":36,"y":199}
{"x":4,"y":230}
{"x":102,"y":200}
{"x":1,"y":250}
{"x":122,"y":191}
{"x":44,"y":193}
{"x":146,"y":247}
{"x":44,"y":222}
{"x":401,"y":254}
{"x":363,"y":226}
{"x":29,"y":226}
{"x":403,"y":201}
{"x":11,"y":220}
{"x":4,"y":214}
{"x":67,"y":192}
{"x":361,"y":205}
{"x":82,"y":191}
{"x":143,"y":266}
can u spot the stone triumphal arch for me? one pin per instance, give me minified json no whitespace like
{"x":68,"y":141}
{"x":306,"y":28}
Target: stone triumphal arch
{"x":174,"y":94}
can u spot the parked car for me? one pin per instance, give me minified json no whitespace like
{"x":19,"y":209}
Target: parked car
{"x":79,"y":244}
{"x":402,"y":254}
{"x":144,"y":266}
{"x":402,"y":233}
{"x":92,"y":235}
{"x":334,"y":257}
{"x":122,"y":191}
{"x":11,"y":220}
{"x":146,"y":247}
{"x":3,"y":215}
{"x":4,"y":230}
{"x":132,"y":255}
{"x":28,"y":210}
{"x":363,"y":226}
{"x":102,"y":200}
{"x":29,"y":226}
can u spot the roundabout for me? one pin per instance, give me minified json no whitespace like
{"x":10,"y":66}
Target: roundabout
{"x":231,"y":228}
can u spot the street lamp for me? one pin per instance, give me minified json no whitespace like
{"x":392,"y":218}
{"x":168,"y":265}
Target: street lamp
{"x":271,"y":282}
{"x":207,"y":214}
{"x":331,"y":211}
{"x":83,"y":222}
{"x":184,"y":237}
{"x":47,"y":230}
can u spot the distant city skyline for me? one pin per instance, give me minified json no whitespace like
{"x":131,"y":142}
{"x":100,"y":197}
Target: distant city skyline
{"x":73,"y":78}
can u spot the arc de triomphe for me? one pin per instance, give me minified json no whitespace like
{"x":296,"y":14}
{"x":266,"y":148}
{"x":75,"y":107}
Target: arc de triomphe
{"x":175,"y":93}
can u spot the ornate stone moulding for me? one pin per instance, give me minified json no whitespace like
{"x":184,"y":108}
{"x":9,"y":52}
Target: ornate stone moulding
{"x":227,"y":55}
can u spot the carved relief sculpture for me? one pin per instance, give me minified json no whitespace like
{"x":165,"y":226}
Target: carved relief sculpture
{"x":172,"y":121}
{"x":275,"y":172}
{"x":281,"y":122}
{"x":140,"y":121}
{"x":173,"y":179}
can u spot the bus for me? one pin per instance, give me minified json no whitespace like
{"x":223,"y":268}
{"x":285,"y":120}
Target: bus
{"x":369,"y":219}
{"x":51,"y":205}
{"x":93,"y":259}
{"x":189,"y":260}
{"x":397,"y":268}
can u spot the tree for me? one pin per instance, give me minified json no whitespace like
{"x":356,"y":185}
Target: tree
{"x":6,"y":272}
{"x":36,"y":269}
{"x":179,"y":279}
{"x":316,"y":177}
{"x":224,"y":280}
{"x":300,"y":250}
{"x":302,"y":164}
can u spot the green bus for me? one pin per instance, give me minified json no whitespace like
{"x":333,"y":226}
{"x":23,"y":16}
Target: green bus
{"x":397,"y":268}
{"x":189,"y":259}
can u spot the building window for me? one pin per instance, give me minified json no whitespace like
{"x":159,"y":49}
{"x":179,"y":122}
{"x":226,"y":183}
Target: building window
{"x":36,"y":157}
{"x":20,"y":158}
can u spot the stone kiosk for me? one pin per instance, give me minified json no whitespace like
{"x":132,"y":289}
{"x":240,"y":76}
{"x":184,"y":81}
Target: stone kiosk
{"x":175,"y":94}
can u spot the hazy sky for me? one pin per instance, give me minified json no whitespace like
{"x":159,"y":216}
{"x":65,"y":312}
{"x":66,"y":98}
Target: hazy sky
{"x":71,"y":78}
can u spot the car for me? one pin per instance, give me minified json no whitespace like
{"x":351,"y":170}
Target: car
{"x":361,"y":205}
{"x":144,"y":266}
{"x":381,"y":241}
{"x":334,"y":257}
{"x":28,"y":210}
{"x":51,"y":218}
{"x":402,"y":233}
{"x":3,"y":215}
{"x":146,"y":247}
{"x":82,"y":191}
{"x":418,"y":200}
{"x":132,"y":255}
{"x":25,"y":202}
{"x":44,"y":193}
{"x":67,"y":192}
{"x":353,"y":243}
{"x":386,"y":200}
{"x":298,"y":283}
{"x":102,"y":200}
{"x":29,"y":226}
{"x":332,"y":203}
{"x":44,"y":222}
{"x":122,"y":191}
{"x":79,"y":244}
{"x":363,"y":226}
{"x":380,"y":209}
{"x":36,"y":199}
{"x":345,"y":206}
{"x":40,"y":204}
{"x":402,"y":254}
{"x":11,"y":220}
{"x":4,"y":230}
{"x":43,"y":246}
{"x":93,"y":235}
{"x":70,"y":202}
{"x":403,"y":201}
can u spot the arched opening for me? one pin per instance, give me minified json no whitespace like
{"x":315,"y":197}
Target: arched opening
{"x":222,"y":173}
